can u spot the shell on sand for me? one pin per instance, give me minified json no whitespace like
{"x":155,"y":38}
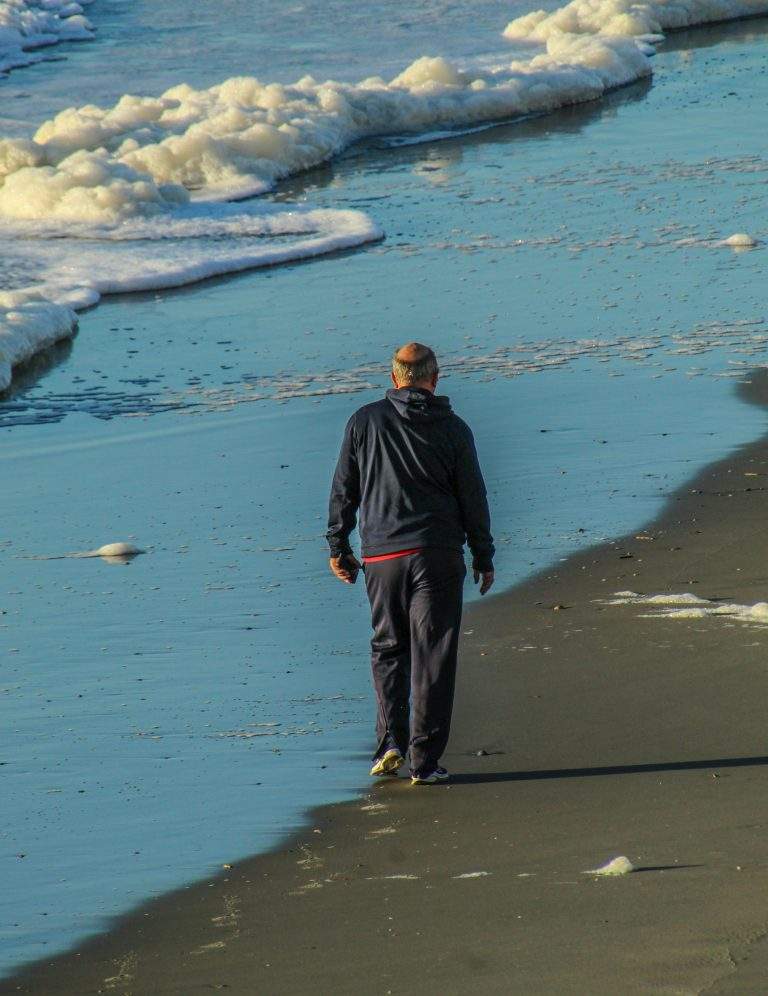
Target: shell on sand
{"x":114,"y":550}
{"x":740,"y":240}
{"x":618,"y":866}
{"x":109,"y":551}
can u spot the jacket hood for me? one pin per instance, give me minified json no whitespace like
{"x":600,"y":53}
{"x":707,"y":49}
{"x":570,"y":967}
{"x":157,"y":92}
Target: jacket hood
{"x":415,"y":404}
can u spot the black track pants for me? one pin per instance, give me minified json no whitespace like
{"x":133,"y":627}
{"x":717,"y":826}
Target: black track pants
{"x":416,"y":614}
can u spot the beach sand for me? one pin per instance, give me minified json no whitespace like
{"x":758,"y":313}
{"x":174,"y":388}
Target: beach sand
{"x":583,"y":731}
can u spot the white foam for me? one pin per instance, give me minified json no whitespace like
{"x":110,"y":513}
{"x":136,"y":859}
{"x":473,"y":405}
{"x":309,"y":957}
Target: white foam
{"x":84,"y":187}
{"x":240,"y":137}
{"x":27,"y":25}
{"x":153,"y":253}
{"x":618,"y":866}
{"x":688,"y":606}
{"x":628,"y":18}
{"x":633,"y":598}
{"x":755,"y":614}
{"x":28,"y":324}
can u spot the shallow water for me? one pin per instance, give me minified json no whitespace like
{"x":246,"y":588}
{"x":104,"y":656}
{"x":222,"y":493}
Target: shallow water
{"x":153,"y":46}
{"x":564,"y":268}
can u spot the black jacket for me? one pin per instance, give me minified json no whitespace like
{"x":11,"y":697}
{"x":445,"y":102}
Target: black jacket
{"x":409,"y":464}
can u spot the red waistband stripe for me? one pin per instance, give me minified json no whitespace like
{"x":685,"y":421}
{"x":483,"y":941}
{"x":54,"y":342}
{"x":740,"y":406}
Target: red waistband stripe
{"x":391,"y":556}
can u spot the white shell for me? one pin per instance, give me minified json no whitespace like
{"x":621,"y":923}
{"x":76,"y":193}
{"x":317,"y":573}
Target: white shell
{"x":619,"y":866}
{"x":740,"y":239}
{"x":117,"y":550}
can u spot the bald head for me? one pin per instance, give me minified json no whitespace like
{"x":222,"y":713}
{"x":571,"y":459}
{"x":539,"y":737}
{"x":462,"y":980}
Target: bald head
{"x":415,"y":365}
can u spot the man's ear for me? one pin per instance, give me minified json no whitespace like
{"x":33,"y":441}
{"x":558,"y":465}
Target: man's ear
{"x":394,"y":379}
{"x":435,"y":380}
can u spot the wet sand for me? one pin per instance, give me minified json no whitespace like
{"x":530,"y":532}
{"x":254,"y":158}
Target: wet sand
{"x":604,"y":733}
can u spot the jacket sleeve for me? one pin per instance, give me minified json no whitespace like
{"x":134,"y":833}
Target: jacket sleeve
{"x":345,"y":496}
{"x":473,"y":503}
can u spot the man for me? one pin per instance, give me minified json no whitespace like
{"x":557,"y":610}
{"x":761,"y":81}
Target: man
{"x":408,"y":463}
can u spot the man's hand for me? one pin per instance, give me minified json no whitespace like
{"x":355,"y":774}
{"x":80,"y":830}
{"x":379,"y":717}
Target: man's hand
{"x":487,"y":577}
{"x":345,"y":568}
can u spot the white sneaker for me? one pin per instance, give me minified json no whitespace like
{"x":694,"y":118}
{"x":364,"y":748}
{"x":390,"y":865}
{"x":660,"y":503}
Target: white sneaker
{"x":438,"y":775}
{"x":388,"y":764}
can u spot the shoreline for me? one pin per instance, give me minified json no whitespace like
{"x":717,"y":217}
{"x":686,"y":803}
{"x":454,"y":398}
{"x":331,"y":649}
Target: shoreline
{"x":351,"y":880}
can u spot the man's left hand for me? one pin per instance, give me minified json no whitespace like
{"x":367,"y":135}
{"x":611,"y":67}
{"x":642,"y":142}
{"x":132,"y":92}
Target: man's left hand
{"x":487,"y":580}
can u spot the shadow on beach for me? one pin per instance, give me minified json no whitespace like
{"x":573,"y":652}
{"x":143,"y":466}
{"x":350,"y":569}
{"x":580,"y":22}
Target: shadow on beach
{"x":479,"y":778}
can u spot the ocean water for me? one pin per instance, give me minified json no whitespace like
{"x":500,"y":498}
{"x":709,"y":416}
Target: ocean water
{"x":105,"y":199}
{"x":168,"y":715}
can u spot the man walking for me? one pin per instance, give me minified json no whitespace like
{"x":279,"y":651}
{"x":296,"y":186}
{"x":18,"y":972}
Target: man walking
{"x":408,"y":463}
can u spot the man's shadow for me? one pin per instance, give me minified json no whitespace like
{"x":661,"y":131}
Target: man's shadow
{"x":474,"y":778}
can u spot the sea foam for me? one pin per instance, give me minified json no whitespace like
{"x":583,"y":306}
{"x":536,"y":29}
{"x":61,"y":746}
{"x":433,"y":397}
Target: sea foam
{"x":688,"y":606}
{"x":28,"y":25}
{"x":647,"y":20}
{"x":239,"y":138}
{"x":28,"y":324}
{"x":196,"y":242}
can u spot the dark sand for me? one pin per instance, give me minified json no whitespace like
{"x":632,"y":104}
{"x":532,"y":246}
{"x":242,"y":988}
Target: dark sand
{"x":606,"y":734}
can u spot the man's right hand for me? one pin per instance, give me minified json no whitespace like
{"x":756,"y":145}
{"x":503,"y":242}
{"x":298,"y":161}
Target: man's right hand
{"x":345,"y":568}
{"x":487,"y":580}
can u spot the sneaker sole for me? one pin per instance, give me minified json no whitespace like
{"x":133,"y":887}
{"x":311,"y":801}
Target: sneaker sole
{"x":387,"y":766}
{"x":432,"y":780}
